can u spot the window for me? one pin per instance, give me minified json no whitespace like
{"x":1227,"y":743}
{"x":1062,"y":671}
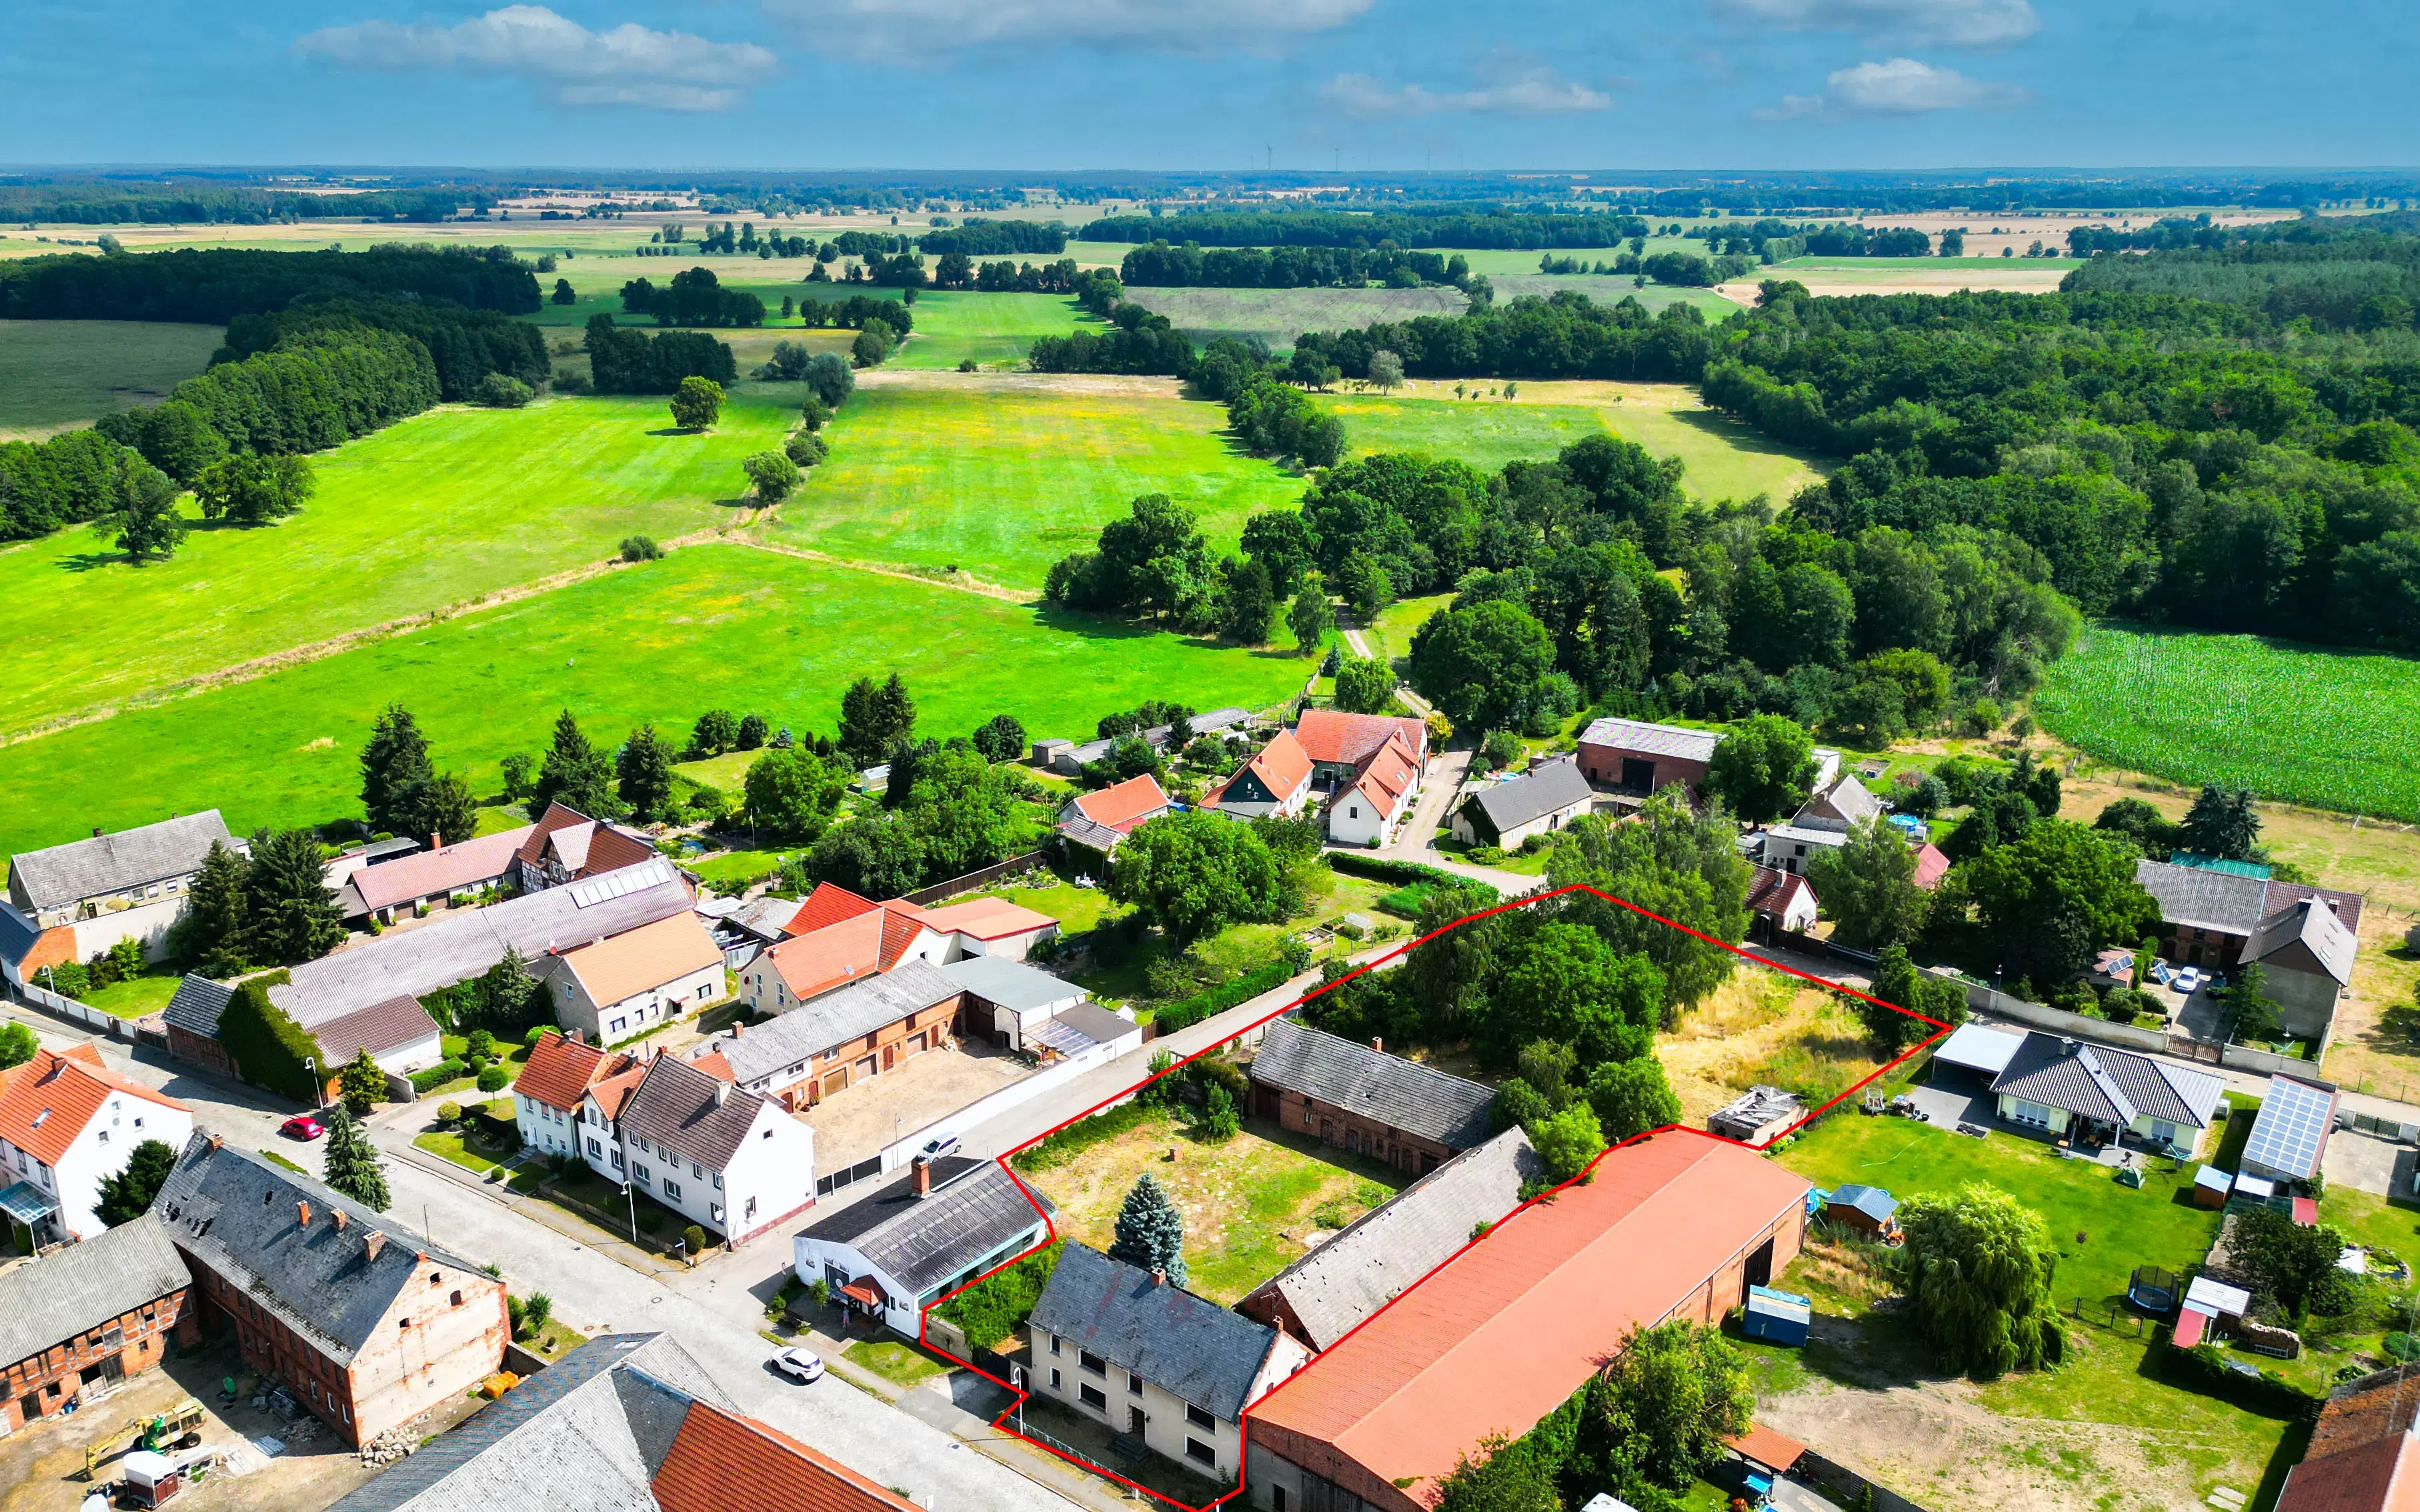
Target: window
{"x":618,"y":1024}
{"x":1093,"y":1398}
{"x":672,"y":1190}
{"x":1196,"y":1450}
{"x":1054,"y":1343}
{"x":718,"y":1181}
{"x":1056,"y":1383}
{"x":457,"y":1299}
{"x":638,"y":1171}
{"x":101,"y":1134}
{"x":1134,"y":1384}
{"x":697,"y":1172}
{"x":1093,"y":1362}
{"x":1277,"y":1499}
{"x":1199,"y":1418}
{"x":751,"y":1208}
{"x":714,"y":1209}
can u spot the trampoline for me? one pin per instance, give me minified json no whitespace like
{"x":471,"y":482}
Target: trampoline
{"x":2152,"y":1290}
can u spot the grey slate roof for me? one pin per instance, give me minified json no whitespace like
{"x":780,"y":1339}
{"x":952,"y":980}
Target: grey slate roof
{"x":111,"y":863}
{"x":197,"y":1004}
{"x":1396,"y":1093}
{"x":834,"y":1018}
{"x":1185,"y":1345}
{"x":1872,"y":1201}
{"x":17,"y":934}
{"x":676,"y":1105}
{"x":2202,"y":898}
{"x":1082,"y":831}
{"x":1652,"y":739}
{"x":84,"y":1285}
{"x":2311,"y":921}
{"x":1366,"y":1265}
{"x":586,"y":1434}
{"x":417,"y":962}
{"x":1010,"y":984}
{"x":2110,"y":1084}
{"x":973,"y":1209}
{"x":1551,"y":787}
{"x":378,"y":1028}
{"x":1839,"y":807}
{"x":234,"y":1212}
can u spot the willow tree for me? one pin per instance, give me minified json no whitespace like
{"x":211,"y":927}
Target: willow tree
{"x":1978,"y":1267}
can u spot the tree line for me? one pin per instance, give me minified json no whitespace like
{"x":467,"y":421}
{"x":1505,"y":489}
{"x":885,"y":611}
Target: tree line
{"x":1427,"y":225}
{"x":621,"y":361}
{"x":1160,"y":265}
{"x":138,"y":204}
{"x":213,"y":286}
{"x":2346,"y":275}
{"x":978,"y":238}
{"x":692,"y":297}
{"x":1567,"y":335}
{"x":464,"y":344}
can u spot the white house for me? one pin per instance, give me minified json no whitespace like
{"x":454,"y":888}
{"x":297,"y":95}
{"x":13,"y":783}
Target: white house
{"x":131,"y":885}
{"x":730,"y":1160}
{"x":1126,"y":1348}
{"x":552,"y":1085}
{"x":1378,"y":797}
{"x":1506,"y":813}
{"x":1274,"y":782}
{"x":66,"y":1122}
{"x":613,"y":989}
{"x":936,"y":1228}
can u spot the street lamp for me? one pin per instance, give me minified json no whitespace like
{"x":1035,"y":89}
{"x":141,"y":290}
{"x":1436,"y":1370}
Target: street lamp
{"x":318,"y":1093}
{"x":632,"y":1199}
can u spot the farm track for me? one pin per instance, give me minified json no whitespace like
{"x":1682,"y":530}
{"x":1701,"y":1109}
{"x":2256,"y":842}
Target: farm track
{"x":260,"y":667}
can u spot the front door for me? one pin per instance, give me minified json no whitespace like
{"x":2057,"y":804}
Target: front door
{"x":1136,"y":1421}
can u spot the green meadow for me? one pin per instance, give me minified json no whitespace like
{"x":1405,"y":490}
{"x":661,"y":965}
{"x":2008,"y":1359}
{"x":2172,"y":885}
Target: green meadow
{"x":995,"y":330}
{"x":433,"y":511}
{"x":711,"y":626}
{"x":1003,"y":476}
{"x":1278,"y":316}
{"x":1485,"y":433}
{"x":57,"y":374}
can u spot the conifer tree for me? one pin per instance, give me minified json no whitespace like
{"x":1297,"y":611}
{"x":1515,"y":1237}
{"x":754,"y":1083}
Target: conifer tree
{"x":644,"y":772}
{"x":394,"y":762}
{"x":351,"y":1162}
{"x":291,"y":913}
{"x":574,"y":775}
{"x":362,"y":1083}
{"x":1150,"y":1231}
{"x":210,"y":936}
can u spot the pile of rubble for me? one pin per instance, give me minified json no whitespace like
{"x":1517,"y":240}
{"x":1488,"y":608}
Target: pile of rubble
{"x":392,"y":1445}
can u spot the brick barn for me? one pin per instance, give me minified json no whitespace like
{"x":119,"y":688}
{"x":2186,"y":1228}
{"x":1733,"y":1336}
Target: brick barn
{"x":1364,"y":1099}
{"x":89,"y":1315}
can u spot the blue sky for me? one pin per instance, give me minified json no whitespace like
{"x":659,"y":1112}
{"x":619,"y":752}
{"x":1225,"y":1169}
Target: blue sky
{"x":1212,"y":84}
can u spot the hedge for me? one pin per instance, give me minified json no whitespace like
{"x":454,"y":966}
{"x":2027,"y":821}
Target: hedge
{"x":436,"y":1076}
{"x":1380,"y":869}
{"x":1186,"y":1011}
{"x":268,"y":1048}
{"x":994,"y":1309}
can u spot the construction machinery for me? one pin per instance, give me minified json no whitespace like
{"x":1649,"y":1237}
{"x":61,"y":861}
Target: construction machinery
{"x":153,"y":1434}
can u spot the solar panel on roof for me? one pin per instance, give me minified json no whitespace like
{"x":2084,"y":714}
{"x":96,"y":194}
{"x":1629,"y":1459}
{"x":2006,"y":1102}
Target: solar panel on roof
{"x":2291,"y":1130}
{"x":621,"y":883}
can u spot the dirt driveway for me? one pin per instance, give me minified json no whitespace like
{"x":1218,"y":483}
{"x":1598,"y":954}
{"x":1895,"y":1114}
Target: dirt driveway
{"x":854,"y":1124}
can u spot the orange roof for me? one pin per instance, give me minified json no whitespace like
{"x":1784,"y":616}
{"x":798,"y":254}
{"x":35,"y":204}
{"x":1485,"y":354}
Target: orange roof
{"x":901,"y":924}
{"x":1125,"y":805}
{"x":614,"y":1091}
{"x":1385,"y":774}
{"x":53,"y":947}
{"x":2379,"y":1476}
{"x":46,"y":1102}
{"x":559,"y":1069}
{"x":719,"y":1461}
{"x":988,"y":918}
{"x":1348,"y":739}
{"x":637,"y":960}
{"x":825,"y":958}
{"x":459,"y":865}
{"x":1930,"y":866}
{"x":1282,"y":766}
{"x":1514,"y":1325}
{"x":827,"y":904}
{"x":714,"y":1066}
{"x":1774,"y":1451}
{"x":557,"y":817}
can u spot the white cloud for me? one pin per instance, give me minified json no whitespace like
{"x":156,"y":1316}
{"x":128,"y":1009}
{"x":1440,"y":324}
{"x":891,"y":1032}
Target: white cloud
{"x":1901,"y":86}
{"x":1909,"y":22}
{"x":911,"y":31}
{"x":629,"y":64}
{"x":1532,"y":91}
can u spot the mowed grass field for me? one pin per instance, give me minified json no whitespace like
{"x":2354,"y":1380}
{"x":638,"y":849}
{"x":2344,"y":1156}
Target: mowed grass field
{"x":436,"y":510}
{"x":58,"y":374}
{"x":1278,"y":316}
{"x":714,"y":626}
{"x":993,"y":328}
{"x":2305,"y":724}
{"x":1003,"y":476}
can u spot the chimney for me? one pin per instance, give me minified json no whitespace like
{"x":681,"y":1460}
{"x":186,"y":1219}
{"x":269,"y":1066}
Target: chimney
{"x":1158,"y":1276}
{"x":736,"y":1027}
{"x":435,"y":840}
{"x":218,"y":1142}
{"x":338,"y":1218}
{"x":372,"y":1243}
{"x":722,"y":1091}
{"x":1376,"y":1043}
{"x":303,"y":1214}
{"x":922,"y":1172}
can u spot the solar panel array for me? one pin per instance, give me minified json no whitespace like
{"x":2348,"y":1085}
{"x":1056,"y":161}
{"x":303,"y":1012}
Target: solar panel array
{"x":2292,"y":1128}
{"x":622,"y":882}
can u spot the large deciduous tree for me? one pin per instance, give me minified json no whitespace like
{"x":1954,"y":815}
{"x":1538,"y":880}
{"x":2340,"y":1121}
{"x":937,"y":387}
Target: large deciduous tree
{"x":1978,"y":1267}
{"x":1193,"y":874}
{"x":793,"y":792}
{"x":2049,"y":900}
{"x":1867,"y":885}
{"x":696,"y":403}
{"x":1763,"y":767}
{"x":1482,"y":665}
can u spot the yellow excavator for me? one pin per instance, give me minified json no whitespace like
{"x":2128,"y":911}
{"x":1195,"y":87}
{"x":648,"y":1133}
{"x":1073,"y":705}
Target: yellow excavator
{"x":155,"y":1433}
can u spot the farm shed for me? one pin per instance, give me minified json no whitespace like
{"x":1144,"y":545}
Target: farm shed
{"x":1866,"y":1209}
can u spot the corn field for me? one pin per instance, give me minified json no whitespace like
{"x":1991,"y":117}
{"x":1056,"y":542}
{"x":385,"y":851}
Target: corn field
{"x":2301,"y":724}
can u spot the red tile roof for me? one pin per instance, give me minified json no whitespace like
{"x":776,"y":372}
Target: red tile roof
{"x":560,"y":1069}
{"x":463,"y":864}
{"x":46,"y":1102}
{"x":1126,"y":804}
{"x":1930,"y":866}
{"x":1774,"y":1451}
{"x":2383,"y":1476}
{"x":557,"y":817}
{"x":611,"y":1091}
{"x":1770,"y":891}
{"x":1385,"y":774}
{"x":723,"y":1464}
{"x":823,"y":959}
{"x":2362,"y":1412}
{"x":1348,"y":739}
{"x":988,"y":918}
{"x":1514,"y":1325}
{"x":827,"y":904}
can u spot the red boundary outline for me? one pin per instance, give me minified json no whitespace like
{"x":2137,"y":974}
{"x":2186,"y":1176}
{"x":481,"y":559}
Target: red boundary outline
{"x":1243,"y":1424}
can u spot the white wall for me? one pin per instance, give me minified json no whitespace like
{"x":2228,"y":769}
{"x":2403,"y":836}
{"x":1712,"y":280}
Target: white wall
{"x":547,"y":1129}
{"x":1167,"y":1425}
{"x":607,"y":1024}
{"x":418,"y":1056}
{"x":103,"y":1149}
{"x":147,"y":923}
{"x":775,"y":1168}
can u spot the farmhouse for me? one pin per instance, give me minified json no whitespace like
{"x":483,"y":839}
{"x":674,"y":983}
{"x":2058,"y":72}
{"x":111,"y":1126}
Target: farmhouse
{"x":565,"y":845}
{"x":626,"y":1423}
{"x":1675,"y":1226}
{"x":1068,"y":758}
{"x":1411,"y":1115}
{"x":436,"y":876}
{"x":88,"y":1315}
{"x":68,"y":1121}
{"x":837,"y":938}
{"x":815,"y":1049}
{"x":1841,"y":806}
{"x":1635,"y":757}
{"x":730,"y":1160}
{"x":1506,"y":813}
{"x":553,"y":1083}
{"x":1332,"y":1291}
{"x":365,"y":1322}
{"x":2088,"y":1092}
{"x":1783,"y":902}
{"x":84,"y":897}
{"x":1099,"y":823}
{"x":1276,"y":782}
{"x":943,"y":1224}
{"x":629,"y":983}
{"x":1368,"y":764}
{"x":1152,"y":1360}
{"x":1791,"y":847}
{"x":2304,"y":936}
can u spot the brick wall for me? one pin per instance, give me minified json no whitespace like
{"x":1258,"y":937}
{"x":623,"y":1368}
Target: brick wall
{"x":1348,"y":1129}
{"x":52,"y":1377}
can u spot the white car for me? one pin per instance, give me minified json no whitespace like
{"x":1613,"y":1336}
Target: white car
{"x":802,"y":1365}
{"x":2187,"y":982}
{"x":937,"y":1148}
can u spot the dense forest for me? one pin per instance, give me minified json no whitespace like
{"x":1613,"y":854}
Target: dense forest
{"x":996,"y":238}
{"x":1189,"y":265}
{"x":2340,"y":274}
{"x":465,"y":345}
{"x":622,"y":361}
{"x":1439,"y":225}
{"x":1567,"y":335}
{"x":108,"y":204}
{"x":212,"y":287}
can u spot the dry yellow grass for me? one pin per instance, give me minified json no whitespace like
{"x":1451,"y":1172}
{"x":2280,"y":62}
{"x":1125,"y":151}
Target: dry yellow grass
{"x":1762,"y":1026}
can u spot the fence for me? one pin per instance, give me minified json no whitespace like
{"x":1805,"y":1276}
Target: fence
{"x":1983,"y":1000}
{"x":77,"y":1013}
{"x":1847,"y":1485}
{"x":1015,"y":866}
{"x":1024,"y":1089}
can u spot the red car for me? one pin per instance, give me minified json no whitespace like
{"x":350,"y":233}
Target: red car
{"x":302,"y":1126}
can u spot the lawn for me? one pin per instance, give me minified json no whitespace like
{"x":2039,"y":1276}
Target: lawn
{"x":1485,"y":433}
{"x":1400,"y":621}
{"x":731,"y":871}
{"x":902,"y":1364}
{"x":57,"y":374}
{"x":1005,"y":479}
{"x":1248,"y":1204}
{"x":429,"y":513}
{"x":136,"y":995}
{"x":710,"y":626}
{"x":2305,"y":724}
{"x":1278,"y":316}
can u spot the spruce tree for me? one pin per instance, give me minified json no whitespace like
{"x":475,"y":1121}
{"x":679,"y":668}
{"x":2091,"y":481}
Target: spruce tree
{"x":362,"y":1083}
{"x":644,"y":772}
{"x":574,"y":775}
{"x":1150,"y":1230}
{"x":350,"y":1163}
{"x":442,"y":808}
{"x":861,"y":723}
{"x":210,"y":936}
{"x":897,"y":712}
{"x":506,"y":992}
{"x":291,"y":912}
{"x":394,"y":762}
